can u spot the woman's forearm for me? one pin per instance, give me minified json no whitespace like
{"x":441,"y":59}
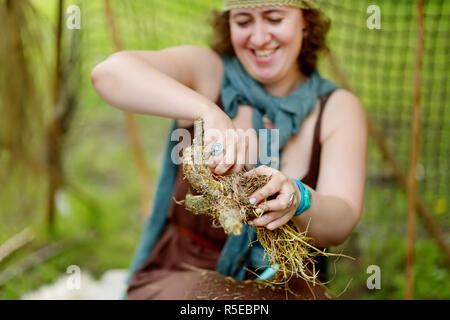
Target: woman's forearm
{"x":329,"y":220}
{"x":128,"y":83}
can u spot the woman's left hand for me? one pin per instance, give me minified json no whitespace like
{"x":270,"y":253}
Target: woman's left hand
{"x":280,"y":210}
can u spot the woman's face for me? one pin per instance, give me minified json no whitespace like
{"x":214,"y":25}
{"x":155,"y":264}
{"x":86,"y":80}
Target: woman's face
{"x":267,"y":41}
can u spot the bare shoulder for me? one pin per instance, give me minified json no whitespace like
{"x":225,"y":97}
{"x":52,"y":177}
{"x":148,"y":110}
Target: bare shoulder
{"x":182,"y":54}
{"x":344,"y":112}
{"x":201,"y":57}
{"x":196,"y":67}
{"x":208,"y":71}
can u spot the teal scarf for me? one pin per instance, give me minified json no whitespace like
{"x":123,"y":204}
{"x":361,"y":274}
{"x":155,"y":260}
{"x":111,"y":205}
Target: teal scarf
{"x":288,"y":114}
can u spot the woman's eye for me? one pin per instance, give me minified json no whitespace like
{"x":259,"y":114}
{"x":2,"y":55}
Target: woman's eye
{"x":242,"y":23}
{"x":275,"y":20}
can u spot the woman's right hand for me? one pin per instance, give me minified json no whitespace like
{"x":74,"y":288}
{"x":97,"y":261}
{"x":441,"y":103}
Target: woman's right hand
{"x":219,"y":130}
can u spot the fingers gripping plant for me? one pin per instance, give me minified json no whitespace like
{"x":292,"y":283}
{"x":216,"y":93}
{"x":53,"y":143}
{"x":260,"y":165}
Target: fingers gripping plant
{"x":225,"y":199}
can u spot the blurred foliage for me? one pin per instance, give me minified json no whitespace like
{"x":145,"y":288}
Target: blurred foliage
{"x":98,"y":211}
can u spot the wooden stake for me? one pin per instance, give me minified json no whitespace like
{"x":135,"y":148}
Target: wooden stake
{"x":415,"y":146}
{"x":54,"y":135}
{"x":132,"y":127}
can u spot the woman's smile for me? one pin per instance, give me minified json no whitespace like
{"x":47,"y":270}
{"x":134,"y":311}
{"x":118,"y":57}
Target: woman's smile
{"x":264,"y":56}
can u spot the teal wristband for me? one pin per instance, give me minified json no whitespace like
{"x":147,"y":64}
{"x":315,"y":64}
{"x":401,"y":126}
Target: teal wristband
{"x":306,"y":200}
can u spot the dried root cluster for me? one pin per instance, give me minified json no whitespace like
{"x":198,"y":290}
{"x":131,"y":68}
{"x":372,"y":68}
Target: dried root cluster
{"x":225,"y":199}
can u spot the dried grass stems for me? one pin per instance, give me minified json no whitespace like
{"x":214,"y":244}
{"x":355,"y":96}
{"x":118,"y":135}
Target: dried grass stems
{"x":225,"y":199}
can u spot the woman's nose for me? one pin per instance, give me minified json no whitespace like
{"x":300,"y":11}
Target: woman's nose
{"x":260,"y":36}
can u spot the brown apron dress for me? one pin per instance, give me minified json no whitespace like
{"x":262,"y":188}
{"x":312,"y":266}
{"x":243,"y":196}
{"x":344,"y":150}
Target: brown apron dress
{"x":182,"y":263}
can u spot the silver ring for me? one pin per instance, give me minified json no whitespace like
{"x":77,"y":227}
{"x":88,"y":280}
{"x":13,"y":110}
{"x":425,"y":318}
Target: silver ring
{"x":216,"y":149}
{"x":291,"y":198}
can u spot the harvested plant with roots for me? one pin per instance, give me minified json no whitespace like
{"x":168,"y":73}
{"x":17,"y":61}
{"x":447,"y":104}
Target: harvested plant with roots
{"x":225,"y":199}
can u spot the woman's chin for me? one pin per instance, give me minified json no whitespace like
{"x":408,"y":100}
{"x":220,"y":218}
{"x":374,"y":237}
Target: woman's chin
{"x":265,"y":78}
{"x":264,"y":74}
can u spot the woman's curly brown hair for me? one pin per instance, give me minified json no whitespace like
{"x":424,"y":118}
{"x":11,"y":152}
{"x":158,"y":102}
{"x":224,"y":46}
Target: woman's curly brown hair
{"x":317,"y":26}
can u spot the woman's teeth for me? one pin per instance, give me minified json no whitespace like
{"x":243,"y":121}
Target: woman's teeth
{"x":264,"y":53}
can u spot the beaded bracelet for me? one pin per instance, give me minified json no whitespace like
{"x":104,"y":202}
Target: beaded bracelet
{"x":305,"y":202}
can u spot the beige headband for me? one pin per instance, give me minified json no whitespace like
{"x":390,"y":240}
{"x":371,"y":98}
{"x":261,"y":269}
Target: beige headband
{"x":236,"y":4}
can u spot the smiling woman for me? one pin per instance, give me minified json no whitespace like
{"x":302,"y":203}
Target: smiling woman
{"x":261,"y":73}
{"x":316,"y":26}
{"x":267,"y":42}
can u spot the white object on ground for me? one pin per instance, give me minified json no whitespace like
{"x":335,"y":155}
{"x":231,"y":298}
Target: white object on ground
{"x":111,"y":286}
